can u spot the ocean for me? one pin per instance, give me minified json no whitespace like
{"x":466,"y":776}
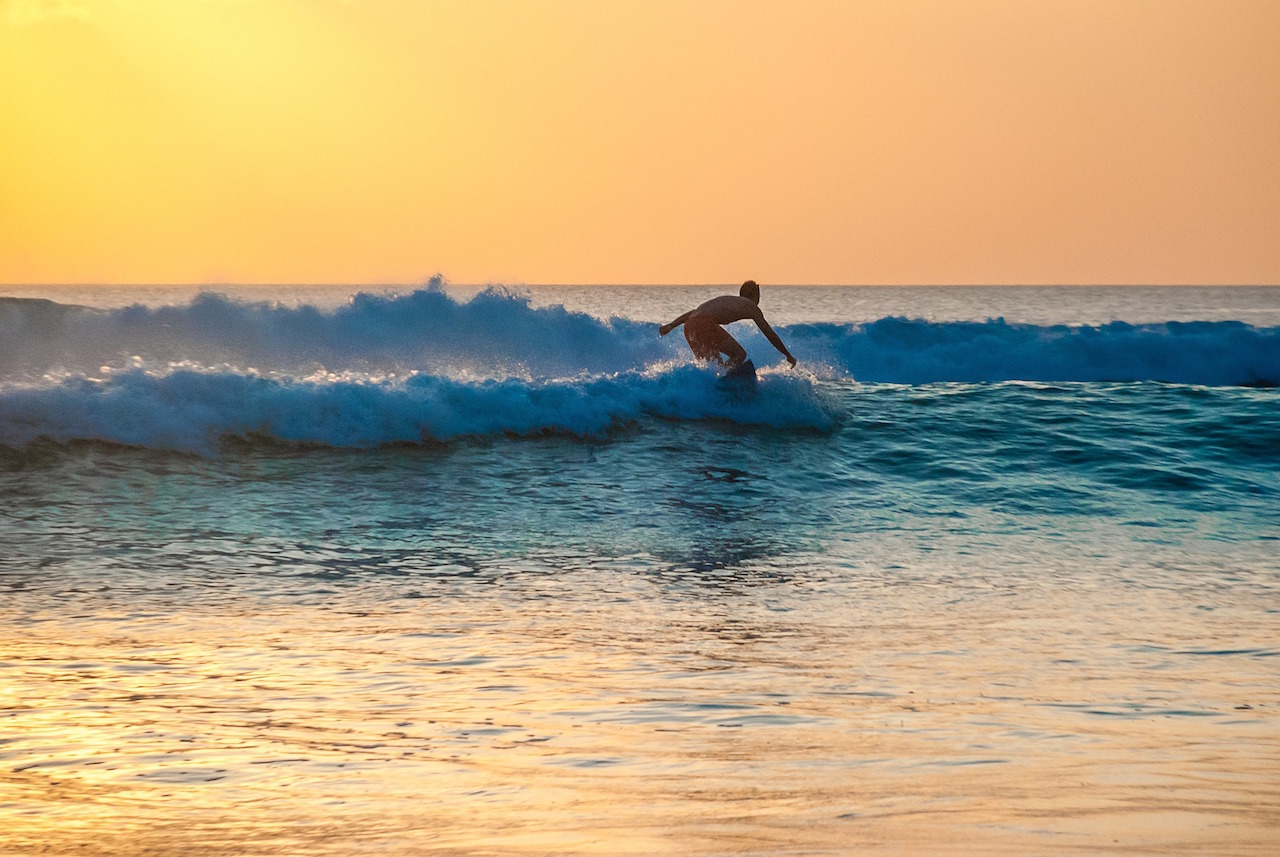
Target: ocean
{"x":446,"y":571}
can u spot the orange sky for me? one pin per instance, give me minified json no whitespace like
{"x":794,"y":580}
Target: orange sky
{"x":610,"y":141}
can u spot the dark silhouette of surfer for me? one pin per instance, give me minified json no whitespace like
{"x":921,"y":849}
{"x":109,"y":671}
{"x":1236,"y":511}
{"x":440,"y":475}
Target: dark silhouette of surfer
{"x":703,"y":327}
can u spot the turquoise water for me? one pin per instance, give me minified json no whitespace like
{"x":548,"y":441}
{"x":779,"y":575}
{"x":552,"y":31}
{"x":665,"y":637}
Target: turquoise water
{"x":457,"y":573}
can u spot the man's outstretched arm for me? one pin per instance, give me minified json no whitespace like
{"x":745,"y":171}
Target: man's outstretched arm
{"x":670,"y":326}
{"x":773,"y":337}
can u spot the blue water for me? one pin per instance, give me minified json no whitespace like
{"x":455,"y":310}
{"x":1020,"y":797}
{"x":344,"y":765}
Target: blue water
{"x":1038,"y":513}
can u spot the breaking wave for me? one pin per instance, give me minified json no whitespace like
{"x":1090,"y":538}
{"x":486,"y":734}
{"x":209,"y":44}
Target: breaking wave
{"x":425,"y":366}
{"x":195,"y":411}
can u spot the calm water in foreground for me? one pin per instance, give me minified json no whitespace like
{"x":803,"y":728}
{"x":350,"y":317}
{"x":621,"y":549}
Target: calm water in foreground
{"x":447,"y":575}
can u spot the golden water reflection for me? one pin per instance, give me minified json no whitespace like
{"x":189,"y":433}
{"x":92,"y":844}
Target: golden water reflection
{"x":770,"y":722}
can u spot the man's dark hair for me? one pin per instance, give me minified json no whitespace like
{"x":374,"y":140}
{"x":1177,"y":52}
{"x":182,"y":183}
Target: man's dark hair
{"x":751,"y":291}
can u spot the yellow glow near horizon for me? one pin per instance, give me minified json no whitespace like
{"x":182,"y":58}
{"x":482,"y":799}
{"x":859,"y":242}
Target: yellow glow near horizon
{"x":887,"y":141}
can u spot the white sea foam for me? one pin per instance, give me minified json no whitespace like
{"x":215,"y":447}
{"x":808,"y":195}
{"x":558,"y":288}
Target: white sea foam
{"x":195,"y":410}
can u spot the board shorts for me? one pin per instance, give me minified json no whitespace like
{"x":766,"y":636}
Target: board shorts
{"x":708,"y":340}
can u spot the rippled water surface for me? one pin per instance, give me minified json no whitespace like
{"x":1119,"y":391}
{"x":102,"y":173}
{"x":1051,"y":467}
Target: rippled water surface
{"x":1010,"y":617}
{"x":691,"y":638}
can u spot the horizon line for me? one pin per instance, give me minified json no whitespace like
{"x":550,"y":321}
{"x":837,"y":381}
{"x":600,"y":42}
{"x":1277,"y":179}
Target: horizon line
{"x":518,"y":284}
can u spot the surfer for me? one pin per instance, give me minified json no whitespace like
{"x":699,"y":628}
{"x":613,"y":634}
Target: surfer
{"x":703,"y":327}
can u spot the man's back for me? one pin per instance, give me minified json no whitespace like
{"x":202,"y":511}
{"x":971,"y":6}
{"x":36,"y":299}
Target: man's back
{"x":727,"y":309}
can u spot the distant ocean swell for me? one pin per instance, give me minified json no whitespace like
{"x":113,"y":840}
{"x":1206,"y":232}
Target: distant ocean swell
{"x":904,"y":351}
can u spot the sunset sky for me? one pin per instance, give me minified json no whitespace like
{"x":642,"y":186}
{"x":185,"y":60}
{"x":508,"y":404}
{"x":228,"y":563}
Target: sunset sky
{"x":610,"y":141}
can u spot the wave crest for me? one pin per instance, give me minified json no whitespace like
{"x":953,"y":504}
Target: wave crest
{"x":500,"y":334}
{"x":495,"y":334}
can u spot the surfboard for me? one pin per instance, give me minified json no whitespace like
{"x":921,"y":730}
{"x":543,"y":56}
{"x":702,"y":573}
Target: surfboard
{"x":740,"y":377}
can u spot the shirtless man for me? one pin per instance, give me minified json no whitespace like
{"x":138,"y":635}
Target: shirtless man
{"x":708,"y":339}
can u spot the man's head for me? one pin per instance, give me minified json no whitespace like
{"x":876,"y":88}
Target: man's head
{"x":750,"y":291}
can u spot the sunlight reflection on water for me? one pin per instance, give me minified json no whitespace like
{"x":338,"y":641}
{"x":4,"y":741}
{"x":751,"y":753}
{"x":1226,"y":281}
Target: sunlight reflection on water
{"x":615,"y":710}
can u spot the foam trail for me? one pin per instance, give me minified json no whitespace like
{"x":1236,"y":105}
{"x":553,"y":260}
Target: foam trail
{"x":194,"y":411}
